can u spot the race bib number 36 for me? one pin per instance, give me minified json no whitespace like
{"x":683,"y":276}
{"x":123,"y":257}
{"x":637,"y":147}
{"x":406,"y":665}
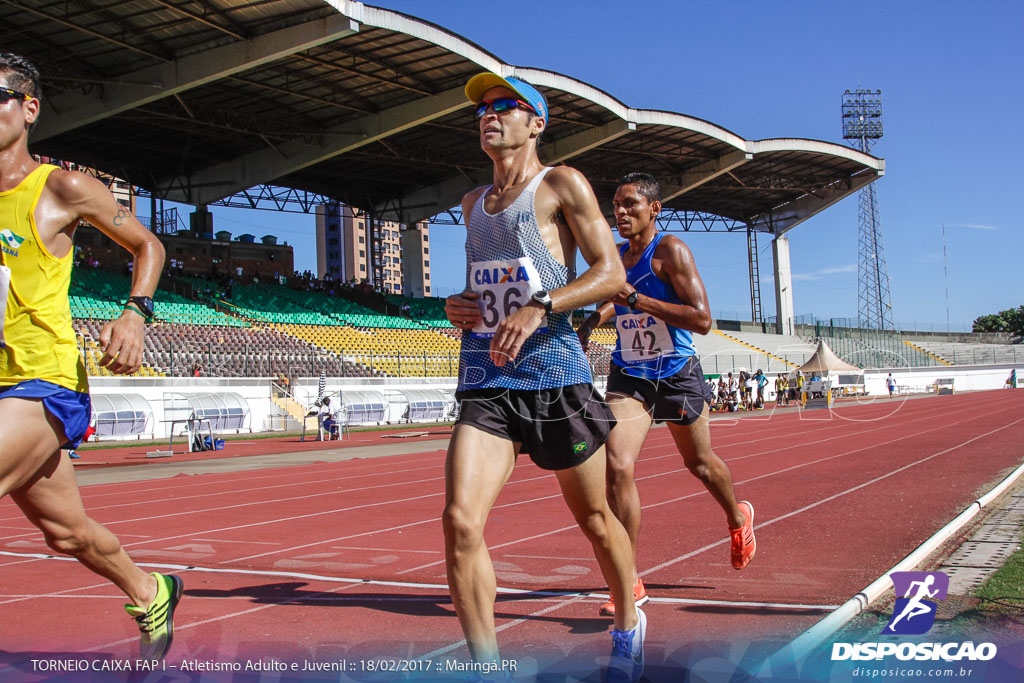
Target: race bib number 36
{"x":642,"y":337}
{"x":504,"y":287}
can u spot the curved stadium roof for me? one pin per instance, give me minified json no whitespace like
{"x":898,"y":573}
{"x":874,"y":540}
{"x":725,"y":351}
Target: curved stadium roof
{"x":366,"y":106}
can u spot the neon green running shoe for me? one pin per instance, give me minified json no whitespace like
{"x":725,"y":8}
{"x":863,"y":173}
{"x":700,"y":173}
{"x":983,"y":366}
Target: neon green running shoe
{"x":157,"y":623}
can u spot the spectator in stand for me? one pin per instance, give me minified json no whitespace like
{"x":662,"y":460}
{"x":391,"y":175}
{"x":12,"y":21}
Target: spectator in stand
{"x":196,"y":369}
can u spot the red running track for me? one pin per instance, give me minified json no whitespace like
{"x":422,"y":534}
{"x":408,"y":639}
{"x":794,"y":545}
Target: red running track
{"x":341,"y":561}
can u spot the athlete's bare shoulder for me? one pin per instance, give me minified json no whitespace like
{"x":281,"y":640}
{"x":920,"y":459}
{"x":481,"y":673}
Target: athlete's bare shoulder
{"x":469,"y":201}
{"x":566,"y":181}
{"x":673,"y":257}
{"x":672,"y":248}
{"x":71,"y":188}
{"x":566,"y":195}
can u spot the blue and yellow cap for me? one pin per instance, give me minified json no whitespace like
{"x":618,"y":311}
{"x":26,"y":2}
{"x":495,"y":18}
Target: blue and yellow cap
{"x":481,"y":83}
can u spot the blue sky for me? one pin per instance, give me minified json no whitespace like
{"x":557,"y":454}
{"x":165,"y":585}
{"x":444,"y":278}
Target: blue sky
{"x":950,"y":75}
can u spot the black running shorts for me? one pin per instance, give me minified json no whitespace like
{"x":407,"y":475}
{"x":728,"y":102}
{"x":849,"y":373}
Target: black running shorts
{"x":679,"y":398}
{"x":559,"y":428}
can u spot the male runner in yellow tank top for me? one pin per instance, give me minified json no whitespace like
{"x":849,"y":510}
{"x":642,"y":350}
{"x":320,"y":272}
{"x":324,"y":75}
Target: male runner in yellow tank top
{"x":44,"y":400}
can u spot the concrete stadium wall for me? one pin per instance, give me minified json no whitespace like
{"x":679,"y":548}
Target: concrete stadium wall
{"x":801,"y":330}
{"x":974,"y":378}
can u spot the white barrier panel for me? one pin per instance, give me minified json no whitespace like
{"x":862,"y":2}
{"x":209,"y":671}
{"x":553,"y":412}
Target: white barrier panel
{"x":121,"y":415}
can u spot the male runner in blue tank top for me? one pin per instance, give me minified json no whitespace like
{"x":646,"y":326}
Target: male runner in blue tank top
{"x":655,"y":374}
{"x":524,"y":381}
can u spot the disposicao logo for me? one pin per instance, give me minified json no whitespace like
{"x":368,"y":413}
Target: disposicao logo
{"x":11,"y":241}
{"x":914,"y":613}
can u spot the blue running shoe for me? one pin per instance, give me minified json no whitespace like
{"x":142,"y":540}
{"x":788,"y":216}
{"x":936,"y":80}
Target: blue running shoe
{"x":73,"y":455}
{"x":627,"y":661}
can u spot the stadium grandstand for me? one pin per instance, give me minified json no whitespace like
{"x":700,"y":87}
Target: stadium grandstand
{"x":395,"y":83}
{"x":268,"y":330}
{"x":306,"y":544}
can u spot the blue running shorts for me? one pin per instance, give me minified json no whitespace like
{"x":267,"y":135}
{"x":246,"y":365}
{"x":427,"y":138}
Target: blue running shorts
{"x":71,"y":408}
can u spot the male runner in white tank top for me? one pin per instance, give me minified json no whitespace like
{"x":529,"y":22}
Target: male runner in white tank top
{"x":524,"y":382}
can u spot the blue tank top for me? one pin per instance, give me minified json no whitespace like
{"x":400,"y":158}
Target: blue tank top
{"x":506,"y":262}
{"x":647,"y":346}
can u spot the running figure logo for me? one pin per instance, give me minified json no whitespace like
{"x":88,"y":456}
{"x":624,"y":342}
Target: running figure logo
{"x":914,"y":613}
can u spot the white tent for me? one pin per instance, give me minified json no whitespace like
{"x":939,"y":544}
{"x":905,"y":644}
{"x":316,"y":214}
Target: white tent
{"x":841,"y":375}
{"x":824,"y":361}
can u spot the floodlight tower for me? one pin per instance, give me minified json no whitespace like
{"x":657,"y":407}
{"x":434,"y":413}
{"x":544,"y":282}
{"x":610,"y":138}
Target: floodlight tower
{"x":862,"y":125}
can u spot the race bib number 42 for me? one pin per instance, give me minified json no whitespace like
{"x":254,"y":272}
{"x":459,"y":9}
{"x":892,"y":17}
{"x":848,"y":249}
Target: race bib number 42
{"x":504,"y":287}
{"x":642,"y":337}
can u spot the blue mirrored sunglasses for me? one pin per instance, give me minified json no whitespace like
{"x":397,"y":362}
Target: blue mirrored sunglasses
{"x":501,"y":105}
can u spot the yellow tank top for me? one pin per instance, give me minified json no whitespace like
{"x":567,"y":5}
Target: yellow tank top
{"x":40,"y":343}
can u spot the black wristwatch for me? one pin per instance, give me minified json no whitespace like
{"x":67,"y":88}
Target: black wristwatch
{"x":631,"y":299}
{"x":144,"y":304}
{"x":544,"y":299}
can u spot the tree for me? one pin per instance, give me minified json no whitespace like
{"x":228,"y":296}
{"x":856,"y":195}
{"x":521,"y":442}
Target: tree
{"x":989,"y":323}
{"x":1011,"y":321}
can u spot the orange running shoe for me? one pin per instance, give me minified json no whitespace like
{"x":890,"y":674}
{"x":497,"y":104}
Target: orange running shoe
{"x":639,"y":596}
{"x":743,"y":542}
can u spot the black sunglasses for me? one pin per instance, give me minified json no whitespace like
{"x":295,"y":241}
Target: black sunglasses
{"x":6,"y":95}
{"x":501,"y":105}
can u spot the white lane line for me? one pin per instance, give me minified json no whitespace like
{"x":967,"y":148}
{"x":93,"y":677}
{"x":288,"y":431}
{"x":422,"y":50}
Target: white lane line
{"x":385,"y":550}
{"x":549,"y":557}
{"x":503,"y":590}
{"x":829,"y":499}
{"x":224,"y":540}
{"x":812,"y":638}
{"x":183,"y":627}
{"x":692,"y":495}
{"x":427,"y":521}
{"x":105,"y":584}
